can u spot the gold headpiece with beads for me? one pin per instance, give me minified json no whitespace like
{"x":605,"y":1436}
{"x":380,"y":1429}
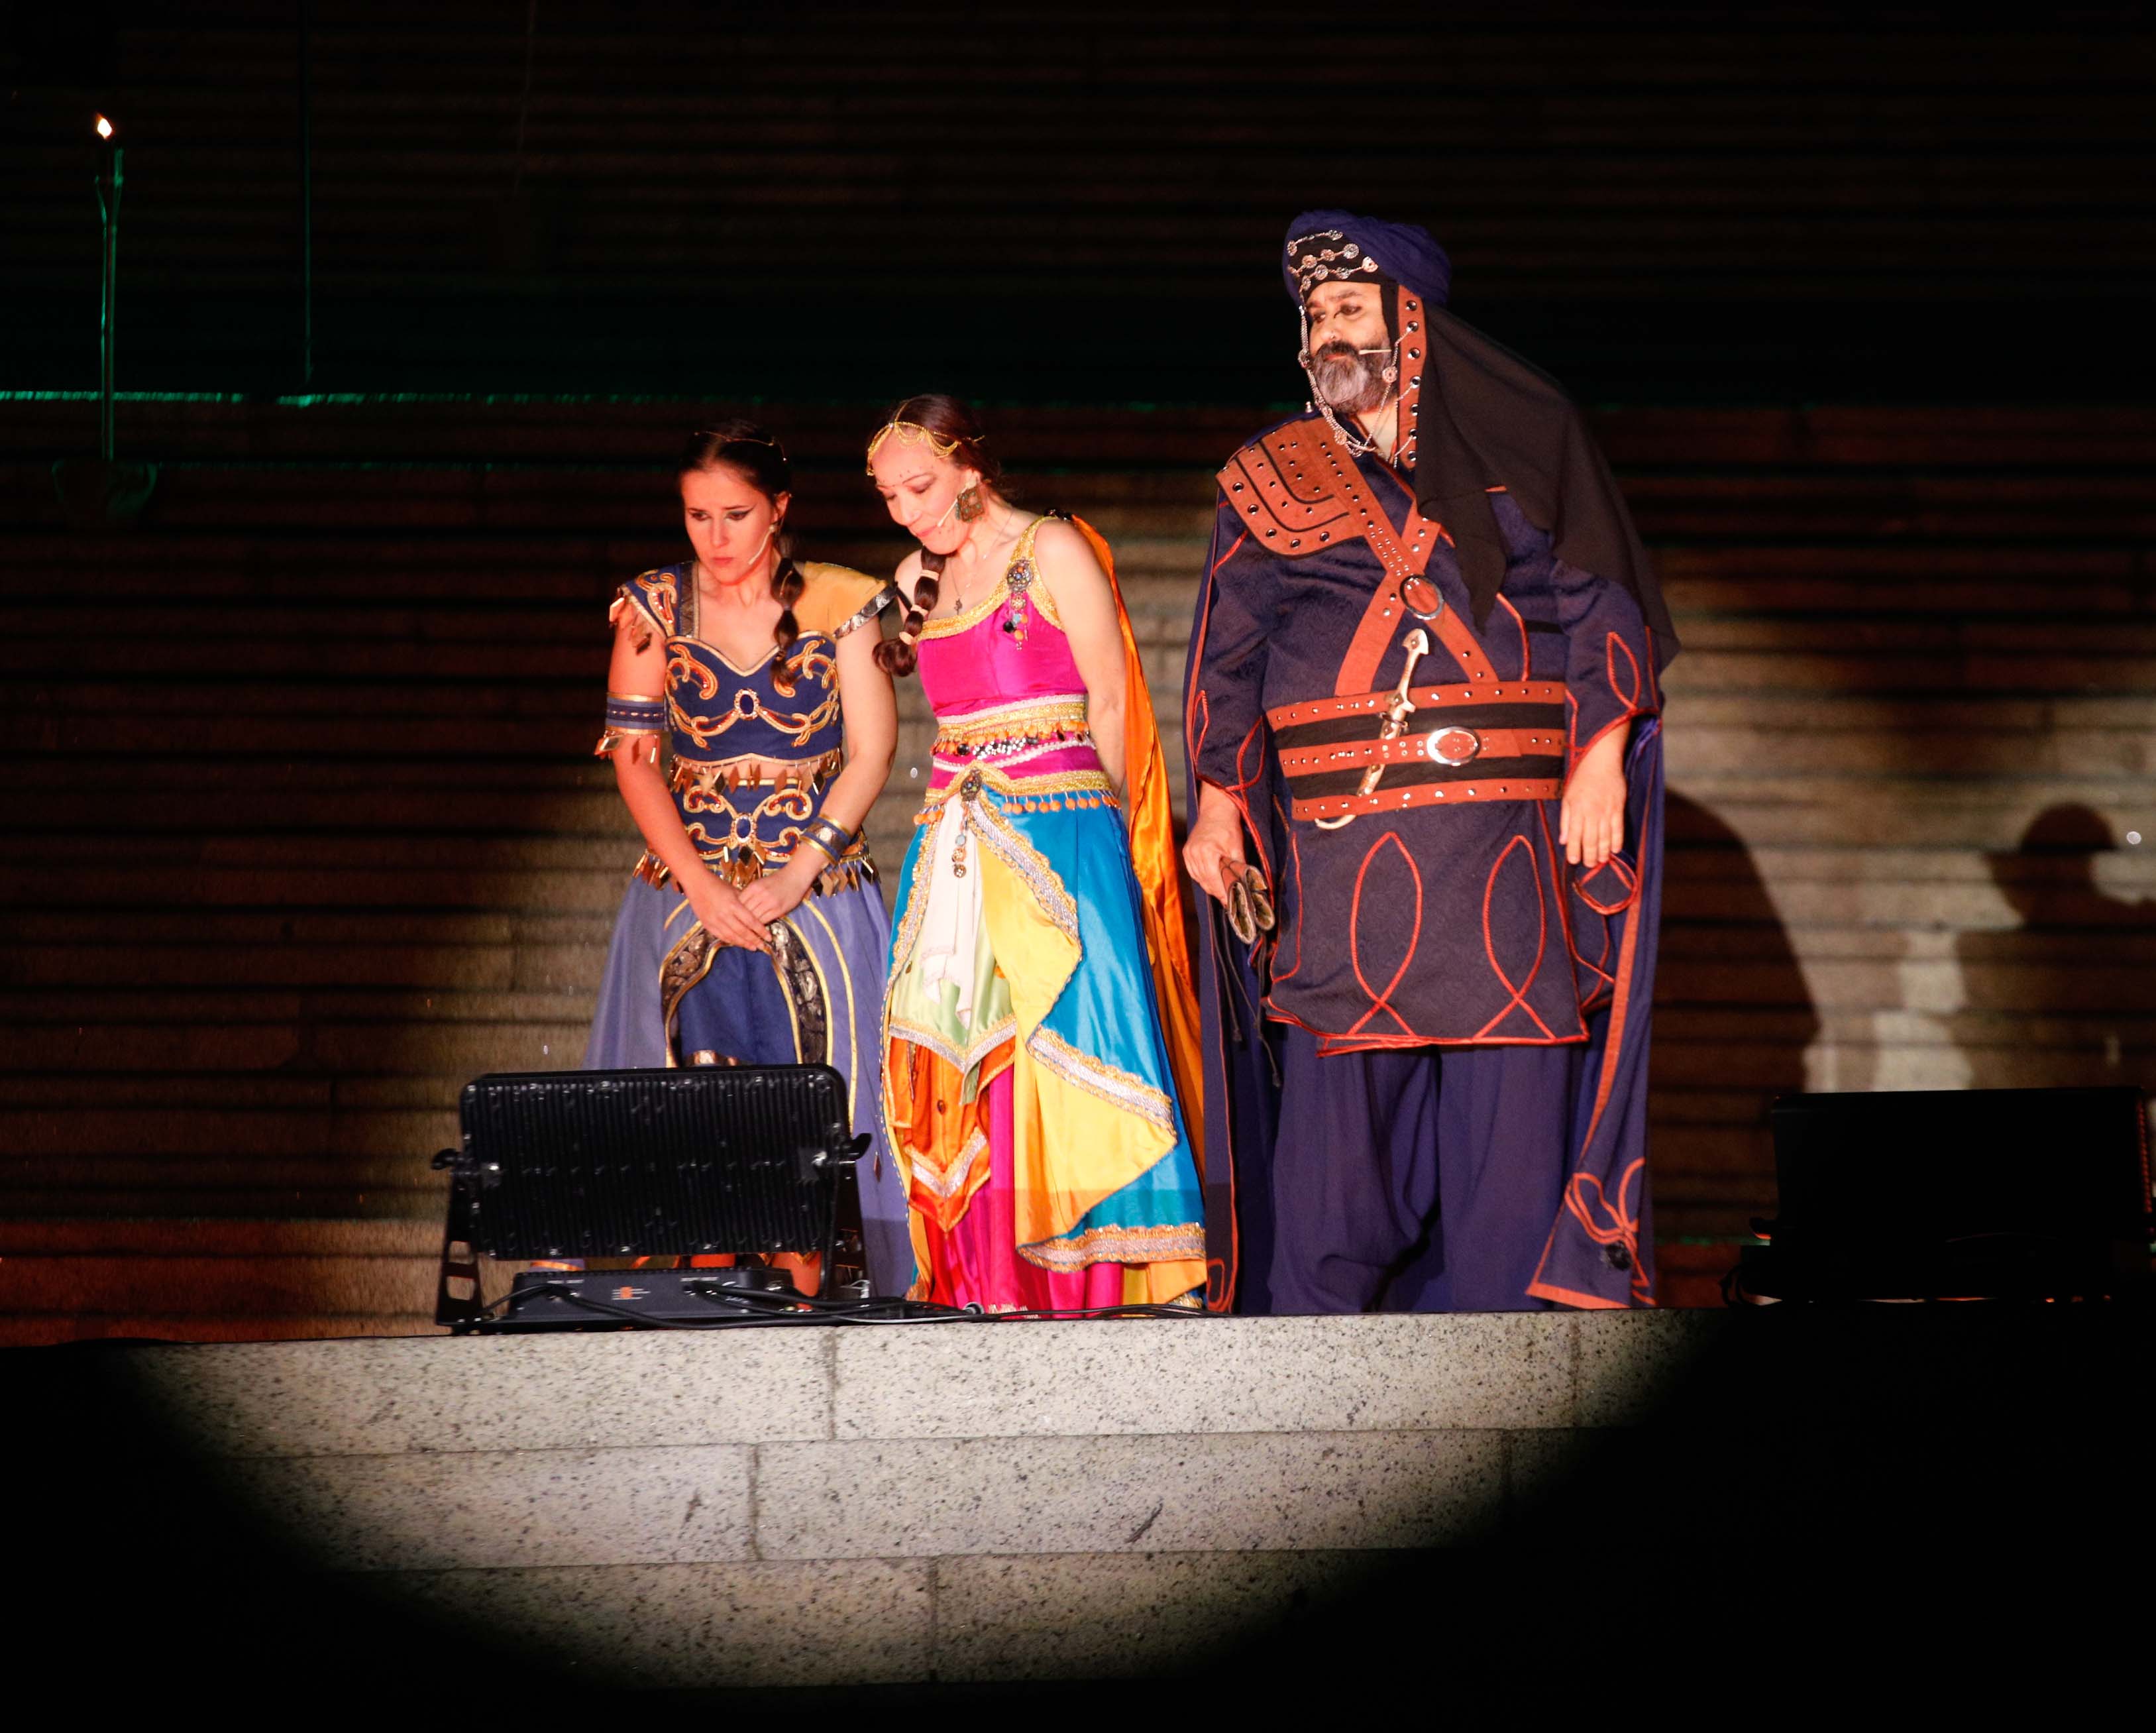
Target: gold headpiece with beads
{"x":913,"y":434}
{"x":741,"y":440}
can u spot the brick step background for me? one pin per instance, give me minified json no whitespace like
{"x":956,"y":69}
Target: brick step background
{"x":304,"y":832}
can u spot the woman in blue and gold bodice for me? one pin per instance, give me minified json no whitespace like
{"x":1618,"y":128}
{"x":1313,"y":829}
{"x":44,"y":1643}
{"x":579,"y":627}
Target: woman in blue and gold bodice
{"x":752,"y":931}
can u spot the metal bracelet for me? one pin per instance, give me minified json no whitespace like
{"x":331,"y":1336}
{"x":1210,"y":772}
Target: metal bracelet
{"x":829,"y":835}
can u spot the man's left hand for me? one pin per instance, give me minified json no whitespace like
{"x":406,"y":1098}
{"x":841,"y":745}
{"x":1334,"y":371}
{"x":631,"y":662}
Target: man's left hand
{"x":1591,"y":816}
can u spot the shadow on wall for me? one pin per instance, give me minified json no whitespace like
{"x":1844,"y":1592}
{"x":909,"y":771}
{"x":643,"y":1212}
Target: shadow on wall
{"x":2067,"y":998}
{"x":2058,"y":992}
{"x":1734,"y":1018}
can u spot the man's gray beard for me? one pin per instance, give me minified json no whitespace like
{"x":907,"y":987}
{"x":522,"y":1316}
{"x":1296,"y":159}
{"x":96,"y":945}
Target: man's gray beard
{"x":1353,"y":384}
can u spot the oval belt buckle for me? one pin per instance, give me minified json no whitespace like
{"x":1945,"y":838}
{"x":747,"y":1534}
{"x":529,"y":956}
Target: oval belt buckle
{"x":1422,"y":598}
{"x":1453,"y":745}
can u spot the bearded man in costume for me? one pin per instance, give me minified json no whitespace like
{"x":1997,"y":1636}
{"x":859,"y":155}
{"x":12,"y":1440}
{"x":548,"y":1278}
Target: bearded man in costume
{"x":1423,"y":723}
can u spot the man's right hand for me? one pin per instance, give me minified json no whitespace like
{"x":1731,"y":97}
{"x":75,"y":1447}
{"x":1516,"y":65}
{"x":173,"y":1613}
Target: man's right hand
{"x":1213,"y":849}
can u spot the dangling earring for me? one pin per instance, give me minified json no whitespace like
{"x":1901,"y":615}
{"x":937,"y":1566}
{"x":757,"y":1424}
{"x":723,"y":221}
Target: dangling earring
{"x":971,"y":505}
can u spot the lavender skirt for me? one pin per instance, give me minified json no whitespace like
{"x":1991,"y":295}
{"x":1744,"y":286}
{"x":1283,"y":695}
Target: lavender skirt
{"x":847,"y":934}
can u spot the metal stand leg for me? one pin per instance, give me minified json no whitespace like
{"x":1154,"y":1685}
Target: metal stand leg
{"x":838,"y":1166}
{"x":461,"y":1311}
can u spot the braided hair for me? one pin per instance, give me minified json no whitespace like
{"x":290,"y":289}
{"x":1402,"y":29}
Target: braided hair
{"x":750,"y":451}
{"x":955,"y":432}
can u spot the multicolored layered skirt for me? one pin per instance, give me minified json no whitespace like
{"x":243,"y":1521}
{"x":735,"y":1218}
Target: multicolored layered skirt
{"x":1028,"y":1093}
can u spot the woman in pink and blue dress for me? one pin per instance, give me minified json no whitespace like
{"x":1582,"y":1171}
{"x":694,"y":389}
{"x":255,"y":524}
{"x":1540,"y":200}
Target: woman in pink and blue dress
{"x":1040,"y":1043}
{"x":751,"y":727}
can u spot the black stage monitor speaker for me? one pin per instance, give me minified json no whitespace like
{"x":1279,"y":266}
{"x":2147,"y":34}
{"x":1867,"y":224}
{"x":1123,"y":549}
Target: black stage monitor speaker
{"x":635,"y":1164}
{"x":1953,"y":1194}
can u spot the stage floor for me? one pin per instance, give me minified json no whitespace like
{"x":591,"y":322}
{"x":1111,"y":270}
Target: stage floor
{"x":886,"y":1505}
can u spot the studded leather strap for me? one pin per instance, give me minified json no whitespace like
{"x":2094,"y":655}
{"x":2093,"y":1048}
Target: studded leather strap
{"x":1454,"y":744}
{"x":1495,"y":787}
{"x":1405,"y":557}
{"x":1309,"y":461}
{"x":1427,"y":699}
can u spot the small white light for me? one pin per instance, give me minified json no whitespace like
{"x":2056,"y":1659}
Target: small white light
{"x":544,"y":1050}
{"x":104,"y":128}
{"x":2133,"y":836}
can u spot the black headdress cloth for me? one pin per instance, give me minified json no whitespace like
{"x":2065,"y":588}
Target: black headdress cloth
{"x":1489,"y":419}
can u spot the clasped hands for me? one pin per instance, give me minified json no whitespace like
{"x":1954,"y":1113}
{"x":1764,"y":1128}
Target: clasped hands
{"x":740,"y":917}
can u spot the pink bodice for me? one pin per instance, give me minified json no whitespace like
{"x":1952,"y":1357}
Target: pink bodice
{"x":1004,"y":685}
{"x":980,"y":663}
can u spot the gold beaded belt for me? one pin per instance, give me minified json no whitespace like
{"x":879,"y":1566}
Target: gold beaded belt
{"x":1009,"y":727}
{"x":713,"y":776}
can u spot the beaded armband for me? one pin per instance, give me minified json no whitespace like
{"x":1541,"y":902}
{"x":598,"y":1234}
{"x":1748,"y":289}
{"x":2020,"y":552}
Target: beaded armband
{"x":628,"y":714}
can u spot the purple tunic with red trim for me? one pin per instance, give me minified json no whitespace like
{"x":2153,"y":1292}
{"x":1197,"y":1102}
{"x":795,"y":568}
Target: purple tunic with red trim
{"x":1434,"y":909}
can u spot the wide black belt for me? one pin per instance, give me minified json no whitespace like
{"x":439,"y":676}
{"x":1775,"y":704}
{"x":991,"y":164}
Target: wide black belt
{"x":1458,"y":744}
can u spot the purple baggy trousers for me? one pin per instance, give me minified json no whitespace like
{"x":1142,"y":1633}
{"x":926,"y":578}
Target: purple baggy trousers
{"x":1423,"y":1179}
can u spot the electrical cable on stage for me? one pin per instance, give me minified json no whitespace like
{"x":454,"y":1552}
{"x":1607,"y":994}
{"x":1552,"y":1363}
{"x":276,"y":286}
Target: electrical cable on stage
{"x":763,"y":1308}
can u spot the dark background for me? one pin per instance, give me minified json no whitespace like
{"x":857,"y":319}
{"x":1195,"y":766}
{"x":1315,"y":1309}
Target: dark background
{"x":1661,"y":204}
